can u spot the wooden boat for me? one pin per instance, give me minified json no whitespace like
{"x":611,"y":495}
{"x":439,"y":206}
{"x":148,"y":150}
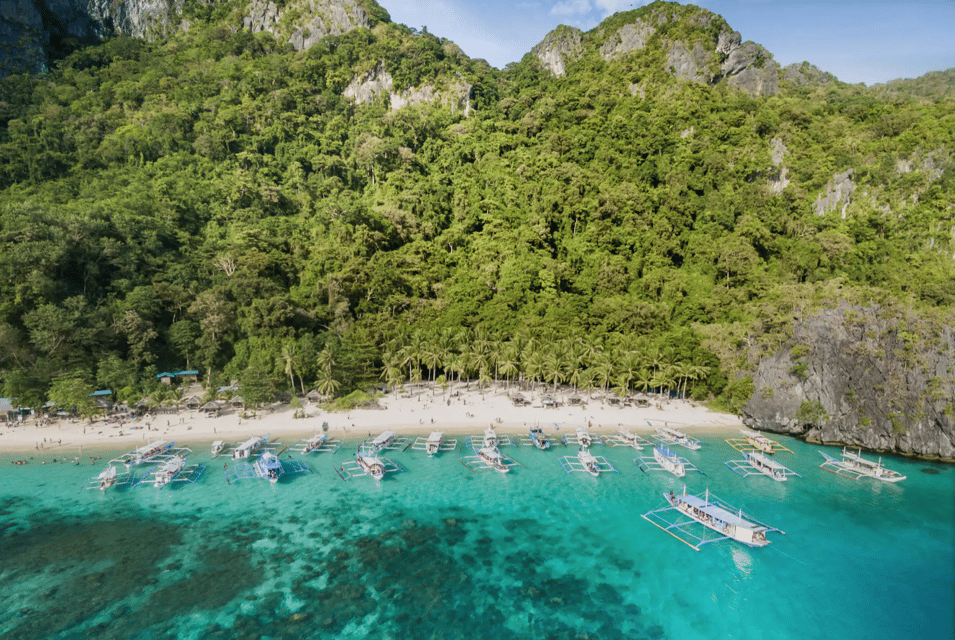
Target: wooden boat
{"x":854,"y":466}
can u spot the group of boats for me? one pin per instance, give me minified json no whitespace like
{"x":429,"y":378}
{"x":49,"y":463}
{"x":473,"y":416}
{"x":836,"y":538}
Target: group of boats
{"x":164,"y":462}
{"x":713,"y":518}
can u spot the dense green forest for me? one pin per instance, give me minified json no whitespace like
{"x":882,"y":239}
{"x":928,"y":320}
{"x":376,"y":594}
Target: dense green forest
{"x":212,"y":200}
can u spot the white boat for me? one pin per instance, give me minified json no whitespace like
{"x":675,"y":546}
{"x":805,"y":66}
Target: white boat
{"x":539,"y":439}
{"x":490,"y":438}
{"x":669,"y":462}
{"x":315,"y":442}
{"x":149,"y":451}
{"x":627,"y":438}
{"x":371,"y":465}
{"x":712,"y":515}
{"x":433,"y":445}
{"x":493,"y":458}
{"x":854,"y":466}
{"x":589,"y":462}
{"x":269,"y":466}
{"x":218,"y":447}
{"x":759,"y":441}
{"x":106,"y":478}
{"x":168,"y":471}
{"x":674,"y":436}
{"x":382,"y":441}
{"x":583,"y":437}
{"x":767,"y":466}
{"x":250,"y":447}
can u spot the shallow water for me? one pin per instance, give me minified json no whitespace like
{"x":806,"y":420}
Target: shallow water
{"x":441,"y":552}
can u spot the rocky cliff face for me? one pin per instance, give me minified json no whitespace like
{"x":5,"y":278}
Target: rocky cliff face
{"x":378,"y":82}
{"x":864,"y":377}
{"x":31,"y":31}
{"x":558,"y":47}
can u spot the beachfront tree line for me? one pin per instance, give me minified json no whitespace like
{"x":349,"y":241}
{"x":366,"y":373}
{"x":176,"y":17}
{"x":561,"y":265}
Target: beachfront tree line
{"x":616,"y":363}
{"x":213,"y":201}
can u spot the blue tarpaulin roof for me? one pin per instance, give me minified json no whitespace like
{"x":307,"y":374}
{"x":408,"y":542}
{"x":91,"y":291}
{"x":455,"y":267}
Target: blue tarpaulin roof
{"x":100,"y":393}
{"x":166,"y":375}
{"x":187,"y":373}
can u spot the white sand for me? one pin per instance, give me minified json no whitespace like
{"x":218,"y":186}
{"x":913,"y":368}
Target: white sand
{"x":421,"y":410}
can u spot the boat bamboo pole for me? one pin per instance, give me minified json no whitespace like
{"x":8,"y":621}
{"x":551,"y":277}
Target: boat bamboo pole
{"x":670,"y":532}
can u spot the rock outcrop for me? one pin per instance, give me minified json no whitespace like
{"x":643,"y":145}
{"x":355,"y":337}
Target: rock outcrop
{"x":378,"y":82}
{"x":561,"y":45}
{"x":839,"y":190}
{"x":315,"y":19}
{"x":781,"y":177}
{"x":747,"y":65}
{"x":630,"y":37}
{"x":32,"y":30}
{"x":863,"y":377}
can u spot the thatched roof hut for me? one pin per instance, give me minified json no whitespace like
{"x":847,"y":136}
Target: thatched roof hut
{"x":237,"y":402}
{"x":192,"y":402}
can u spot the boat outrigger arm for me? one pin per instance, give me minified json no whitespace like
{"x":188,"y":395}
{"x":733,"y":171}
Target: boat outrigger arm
{"x":367,"y":462}
{"x":490,"y":439}
{"x":581,"y":438}
{"x":488,"y":458}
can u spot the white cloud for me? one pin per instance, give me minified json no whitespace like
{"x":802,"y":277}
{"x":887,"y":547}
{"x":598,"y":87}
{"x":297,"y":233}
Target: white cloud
{"x":571,"y":7}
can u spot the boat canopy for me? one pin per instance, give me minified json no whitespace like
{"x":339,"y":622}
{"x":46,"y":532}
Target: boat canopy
{"x":766,"y":462}
{"x":383,"y":439}
{"x":435,"y":437}
{"x":719,"y":513}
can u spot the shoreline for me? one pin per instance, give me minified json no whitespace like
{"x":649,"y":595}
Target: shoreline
{"x":457,"y":411}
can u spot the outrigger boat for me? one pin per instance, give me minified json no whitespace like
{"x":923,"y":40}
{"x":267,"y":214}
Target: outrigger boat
{"x":155,"y":451}
{"x":489,"y":439}
{"x":755,"y":441}
{"x":173,"y":470}
{"x":250,"y":447}
{"x":714,"y":515}
{"x":267,"y":466}
{"x":386,"y":440}
{"x":218,"y":447}
{"x":488,"y":458}
{"x":434,"y":443}
{"x":537,"y":438}
{"x":108,"y":477}
{"x":586,"y":462}
{"x":854,"y":466}
{"x":674,"y":436}
{"x":626,"y":438}
{"x":582,"y":438}
{"x":367,"y":462}
{"x":318,"y":443}
{"x":756,"y":462}
{"x":665,"y":460}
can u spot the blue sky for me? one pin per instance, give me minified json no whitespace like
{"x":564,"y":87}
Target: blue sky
{"x":857,"y":42}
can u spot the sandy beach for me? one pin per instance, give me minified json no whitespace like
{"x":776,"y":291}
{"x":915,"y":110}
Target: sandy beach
{"x":459,"y":409}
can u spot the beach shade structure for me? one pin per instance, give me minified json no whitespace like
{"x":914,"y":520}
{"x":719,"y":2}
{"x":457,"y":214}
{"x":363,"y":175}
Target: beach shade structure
{"x":574,"y":400}
{"x":518,"y":400}
{"x":213,"y":407}
{"x":314,"y":396}
{"x":192,"y":402}
{"x":549,"y":402}
{"x":237,"y":402}
{"x":142,"y":404}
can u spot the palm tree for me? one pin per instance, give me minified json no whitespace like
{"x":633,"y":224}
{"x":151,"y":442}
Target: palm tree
{"x":290,"y":355}
{"x":534,"y":365}
{"x":507,"y":365}
{"x":554,"y":370}
{"x":431,"y":357}
{"x":603,"y":371}
{"x":327,"y":385}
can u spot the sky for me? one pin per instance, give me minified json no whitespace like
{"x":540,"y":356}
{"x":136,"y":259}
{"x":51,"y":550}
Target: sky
{"x":857,"y":42}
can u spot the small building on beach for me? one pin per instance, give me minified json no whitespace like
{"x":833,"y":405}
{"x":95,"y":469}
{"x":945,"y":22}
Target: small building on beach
{"x":519,"y":400}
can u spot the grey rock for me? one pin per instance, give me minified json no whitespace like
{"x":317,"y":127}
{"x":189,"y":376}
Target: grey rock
{"x":320,"y":18}
{"x":839,"y":190}
{"x":727,"y":42}
{"x":688,"y":64}
{"x":881,"y":388}
{"x":757,"y":81}
{"x":557,"y":48}
{"x":366,"y":89}
{"x":630,"y":37}
{"x":805,"y":74}
{"x":378,"y":82}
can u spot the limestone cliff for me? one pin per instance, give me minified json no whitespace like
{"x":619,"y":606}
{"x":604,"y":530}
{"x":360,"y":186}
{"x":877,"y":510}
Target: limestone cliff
{"x":866,"y":377}
{"x":32,"y":32}
{"x":368,"y":87}
{"x":558,"y":47}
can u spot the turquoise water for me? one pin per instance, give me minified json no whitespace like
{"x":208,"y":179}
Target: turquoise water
{"x":440,"y":552}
